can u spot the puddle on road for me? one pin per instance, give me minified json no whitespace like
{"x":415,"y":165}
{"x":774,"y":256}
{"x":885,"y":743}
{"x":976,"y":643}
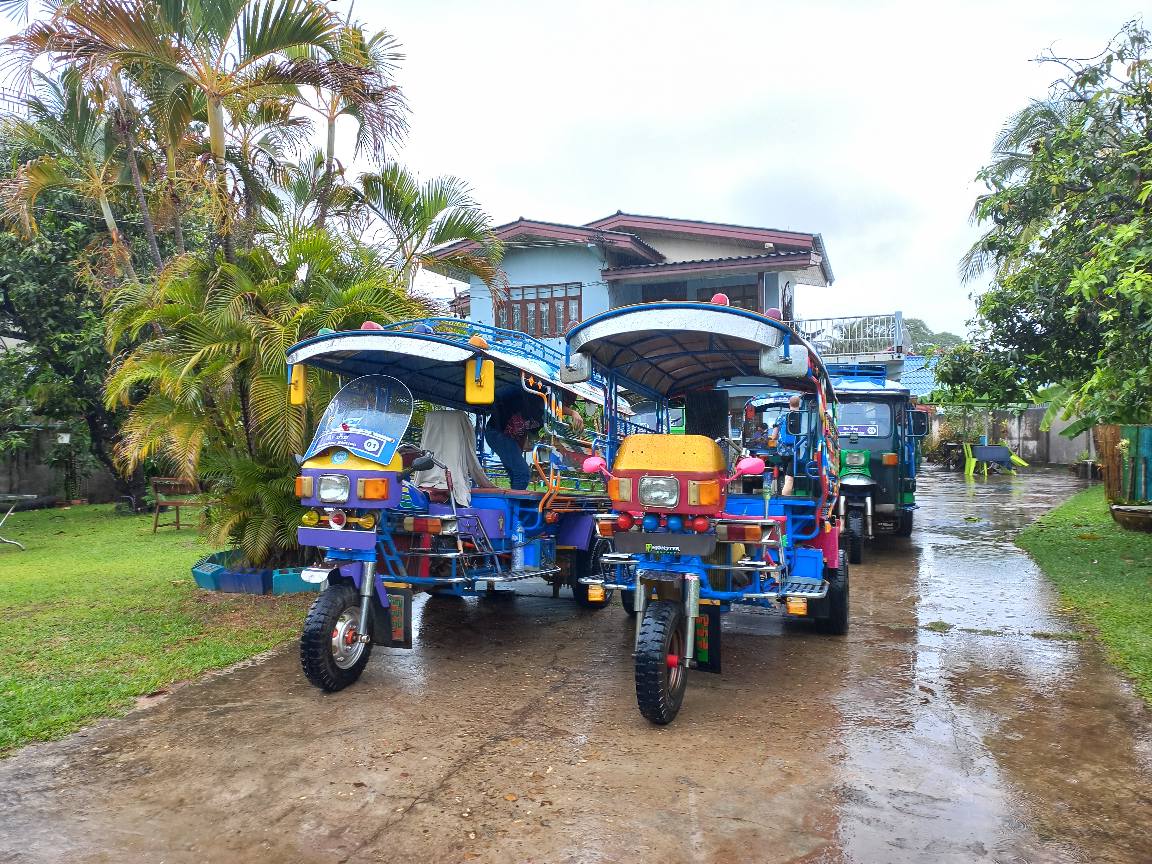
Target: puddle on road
{"x":969,"y":739}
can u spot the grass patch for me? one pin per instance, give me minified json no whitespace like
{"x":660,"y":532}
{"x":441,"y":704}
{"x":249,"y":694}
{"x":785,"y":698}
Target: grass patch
{"x":939,"y":627}
{"x":100,"y":611}
{"x":1102,"y":571}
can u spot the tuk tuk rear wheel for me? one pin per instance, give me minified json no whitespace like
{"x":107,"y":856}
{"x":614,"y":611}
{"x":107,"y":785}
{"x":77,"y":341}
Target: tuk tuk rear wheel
{"x":330,"y":651}
{"x":661,"y":677}
{"x":836,"y":624}
{"x":855,"y":534}
{"x":904,"y":523}
{"x":587,"y":565}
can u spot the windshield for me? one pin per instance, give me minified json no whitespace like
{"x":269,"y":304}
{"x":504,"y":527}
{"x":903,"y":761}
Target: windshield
{"x":368,"y":417}
{"x":865,"y":419}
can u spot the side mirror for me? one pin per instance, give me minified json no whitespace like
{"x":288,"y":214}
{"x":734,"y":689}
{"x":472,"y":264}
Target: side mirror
{"x":795,"y":423}
{"x":479,"y":381}
{"x":298,"y":385}
{"x":595,"y":465}
{"x":917,"y":424}
{"x":422,"y":463}
{"x":750,"y":466}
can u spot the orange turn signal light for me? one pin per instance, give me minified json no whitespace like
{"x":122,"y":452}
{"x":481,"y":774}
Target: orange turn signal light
{"x":372,"y":488}
{"x":890,"y":459}
{"x":304,"y":486}
{"x":704,"y":493}
{"x":620,"y":488}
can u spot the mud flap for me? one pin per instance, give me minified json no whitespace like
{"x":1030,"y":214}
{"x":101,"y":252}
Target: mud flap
{"x":392,"y":626}
{"x":708,"y":640}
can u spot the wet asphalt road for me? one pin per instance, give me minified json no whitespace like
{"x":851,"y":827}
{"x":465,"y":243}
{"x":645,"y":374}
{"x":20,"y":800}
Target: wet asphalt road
{"x":942,"y":729}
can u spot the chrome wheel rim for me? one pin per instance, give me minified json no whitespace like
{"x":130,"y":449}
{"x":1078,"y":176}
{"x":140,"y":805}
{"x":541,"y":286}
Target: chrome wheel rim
{"x":346,"y":644}
{"x":676,"y":649}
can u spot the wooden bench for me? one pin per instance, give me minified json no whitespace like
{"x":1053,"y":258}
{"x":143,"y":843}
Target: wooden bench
{"x":176,"y":493}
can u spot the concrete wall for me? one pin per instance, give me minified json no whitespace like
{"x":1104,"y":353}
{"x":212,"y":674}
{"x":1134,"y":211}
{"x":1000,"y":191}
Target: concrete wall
{"x":553,"y":265}
{"x":1028,"y":440}
{"x":688,"y":249}
{"x":25,"y":473}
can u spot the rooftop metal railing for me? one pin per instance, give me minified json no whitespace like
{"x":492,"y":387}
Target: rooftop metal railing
{"x":858,"y":338}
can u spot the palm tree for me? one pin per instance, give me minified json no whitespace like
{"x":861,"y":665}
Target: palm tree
{"x":76,"y":147}
{"x":420,"y":217}
{"x":379,"y":122}
{"x":207,"y":345}
{"x":230,"y":54}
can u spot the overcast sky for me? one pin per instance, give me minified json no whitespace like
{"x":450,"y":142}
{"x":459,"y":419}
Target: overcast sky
{"x":863,"y":121}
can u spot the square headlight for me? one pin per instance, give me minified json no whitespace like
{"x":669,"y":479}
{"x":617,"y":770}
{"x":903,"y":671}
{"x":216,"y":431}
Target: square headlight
{"x":334,"y":488}
{"x":659,"y":491}
{"x":855,"y":460}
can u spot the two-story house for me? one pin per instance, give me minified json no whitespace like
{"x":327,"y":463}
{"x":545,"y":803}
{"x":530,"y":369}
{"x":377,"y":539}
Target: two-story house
{"x":561,"y":274}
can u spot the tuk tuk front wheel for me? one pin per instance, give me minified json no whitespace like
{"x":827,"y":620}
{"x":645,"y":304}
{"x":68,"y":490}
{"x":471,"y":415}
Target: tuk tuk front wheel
{"x":661,"y":677}
{"x":855,"y":534}
{"x":836,"y":624}
{"x":331,"y":652}
{"x":587,"y":565}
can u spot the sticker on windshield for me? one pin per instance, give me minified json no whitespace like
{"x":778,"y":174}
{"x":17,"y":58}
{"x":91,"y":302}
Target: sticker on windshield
{"x":859,"y":429}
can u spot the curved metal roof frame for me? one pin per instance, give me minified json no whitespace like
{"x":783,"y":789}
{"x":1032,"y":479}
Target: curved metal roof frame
{"x":676,"y":348}
{"x":431,"y":366}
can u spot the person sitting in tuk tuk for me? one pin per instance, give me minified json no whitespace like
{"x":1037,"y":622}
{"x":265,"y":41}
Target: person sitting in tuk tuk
{"x":516,"y":418}
{"x":785,"y":443}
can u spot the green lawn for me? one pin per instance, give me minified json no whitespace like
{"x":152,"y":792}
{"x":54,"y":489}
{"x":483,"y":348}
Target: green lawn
{"x":99,"y":611}
{"x":1104,"y":572}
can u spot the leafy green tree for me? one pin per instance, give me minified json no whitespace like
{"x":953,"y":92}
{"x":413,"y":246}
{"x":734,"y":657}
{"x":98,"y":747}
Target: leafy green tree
{"x":925,"y":342}
{"x":202,"y":373}
{"x":422,"y":216}
{"x":58,"y":371}
{"x":1069,"y":247}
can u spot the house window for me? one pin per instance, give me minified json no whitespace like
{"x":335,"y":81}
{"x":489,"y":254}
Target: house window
{"x":541,"y":310}
{"x":742,"y":296}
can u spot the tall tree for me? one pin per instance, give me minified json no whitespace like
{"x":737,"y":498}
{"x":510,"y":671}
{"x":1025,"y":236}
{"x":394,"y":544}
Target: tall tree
{"x":229,"y":53}
{"x":1066,"y":316}
{"x":420,"y":217}
{"x":75,"y":147}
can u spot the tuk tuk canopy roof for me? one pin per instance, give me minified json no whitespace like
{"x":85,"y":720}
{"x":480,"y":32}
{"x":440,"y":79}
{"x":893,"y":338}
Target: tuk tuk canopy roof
{"x":676,"y":348}
{"x":431,"y":364}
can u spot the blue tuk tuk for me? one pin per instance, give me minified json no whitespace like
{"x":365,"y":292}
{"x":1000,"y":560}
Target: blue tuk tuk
{"x":689,"y":543}
{"x":391,"y":516}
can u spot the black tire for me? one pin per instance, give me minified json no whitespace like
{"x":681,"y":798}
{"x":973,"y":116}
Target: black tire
{"x":628,"y":601}
{"x":904,"y":519}
{"x":587,"y":565}
{"x":660,"y":687}
{"x":836,"y":624}
{"x":855,"y":534}
{"x":328,"y":622}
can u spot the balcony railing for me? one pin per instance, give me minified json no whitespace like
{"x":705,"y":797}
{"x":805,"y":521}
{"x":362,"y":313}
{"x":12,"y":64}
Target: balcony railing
{"x":11,"y":103}
{"x":861,"y":338}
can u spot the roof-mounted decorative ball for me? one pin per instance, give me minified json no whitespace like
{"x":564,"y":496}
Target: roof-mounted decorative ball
{"x":325,"y":331}
{"x":721,"y":299}
{"x":478,"y":341}
{"x":775,"y":314}
{"x":422,"y":328}
{"x":370,"y":325}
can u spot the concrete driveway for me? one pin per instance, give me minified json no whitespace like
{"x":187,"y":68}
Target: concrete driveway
{"x":947,"y":727}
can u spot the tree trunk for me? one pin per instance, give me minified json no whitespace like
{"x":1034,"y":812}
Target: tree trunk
{"x":124,"y":120}
{"x":217,"y":143}
{"x":174,"y":199}
{"x":117,"y":241}
{"x":329,"y":174}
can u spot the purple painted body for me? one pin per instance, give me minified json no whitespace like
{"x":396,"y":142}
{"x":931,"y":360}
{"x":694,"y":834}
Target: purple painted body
{"x":395,"y":487}
{"x":336,"y":538}
{"x":494,"y":520}
{"x":575,"y":529}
